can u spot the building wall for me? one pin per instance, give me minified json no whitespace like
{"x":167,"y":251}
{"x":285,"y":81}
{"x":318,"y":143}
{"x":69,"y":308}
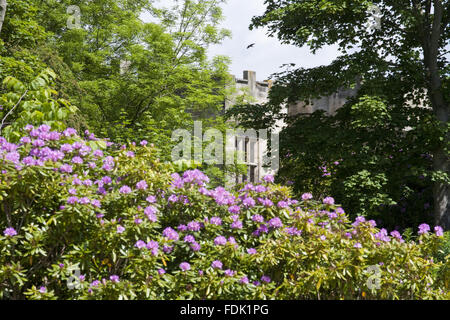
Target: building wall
{"x":253,"y":150}
{"x":259,"y":90}
{"x":329,"y":104}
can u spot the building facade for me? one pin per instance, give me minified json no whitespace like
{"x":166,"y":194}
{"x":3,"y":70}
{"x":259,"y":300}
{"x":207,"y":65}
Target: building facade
{"x":248,"y":146}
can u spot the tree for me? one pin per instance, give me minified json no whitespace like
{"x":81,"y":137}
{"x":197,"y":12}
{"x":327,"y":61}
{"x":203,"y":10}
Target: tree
{"x":141,"y":80}
{"x":402,"y":59}
{"x":32,"y":103}
{"x":20,"y":39}
{"x":167,"y":79}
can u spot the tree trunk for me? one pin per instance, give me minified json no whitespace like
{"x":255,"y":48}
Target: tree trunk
{"x":441,"y":190}
{"x":2,"y":13}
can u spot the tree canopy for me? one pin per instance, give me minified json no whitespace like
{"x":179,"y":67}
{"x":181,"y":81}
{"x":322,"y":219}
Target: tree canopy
{"x":130,"y":79}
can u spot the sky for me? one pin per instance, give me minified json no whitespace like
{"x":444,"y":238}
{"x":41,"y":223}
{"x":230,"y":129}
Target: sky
{"x":268,"y":54}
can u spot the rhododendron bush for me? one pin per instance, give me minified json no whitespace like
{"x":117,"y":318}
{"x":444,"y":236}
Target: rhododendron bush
{"x":88,"y":219}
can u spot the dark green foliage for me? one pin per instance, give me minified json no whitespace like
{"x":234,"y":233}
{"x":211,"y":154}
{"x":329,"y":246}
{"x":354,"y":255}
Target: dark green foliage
{"x":373,"y":165}
{"x":398,"y":65}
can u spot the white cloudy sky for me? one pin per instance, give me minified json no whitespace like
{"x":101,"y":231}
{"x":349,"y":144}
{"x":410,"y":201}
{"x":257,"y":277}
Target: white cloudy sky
{"x":268,"y":54}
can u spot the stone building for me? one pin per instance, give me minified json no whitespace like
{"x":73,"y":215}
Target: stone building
{"x":329,"y":103}
{"x":254,"y":149}
{"x":251,"y":148}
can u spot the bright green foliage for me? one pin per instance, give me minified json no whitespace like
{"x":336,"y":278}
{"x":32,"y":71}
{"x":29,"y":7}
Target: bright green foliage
{"x":132,"y":80}
{"x":20,"y":38}
{"x":32,"y":104}
{"x":141,"y":80}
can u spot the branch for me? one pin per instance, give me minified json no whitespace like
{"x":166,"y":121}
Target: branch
{"x":436,"y":29}
{"x":12,"y":109}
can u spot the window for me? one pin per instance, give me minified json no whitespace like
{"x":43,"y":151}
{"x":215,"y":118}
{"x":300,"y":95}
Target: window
{"x":249,"y":148}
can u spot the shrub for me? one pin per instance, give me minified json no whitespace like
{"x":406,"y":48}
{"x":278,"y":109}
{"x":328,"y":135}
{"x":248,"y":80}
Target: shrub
{"x":83,"y":218}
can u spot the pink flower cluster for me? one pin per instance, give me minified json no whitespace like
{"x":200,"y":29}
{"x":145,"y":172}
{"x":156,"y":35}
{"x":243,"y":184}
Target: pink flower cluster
{"x":256,"y":208}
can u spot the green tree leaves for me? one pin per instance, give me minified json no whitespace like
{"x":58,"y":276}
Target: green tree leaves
{"x":32,"y":103}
